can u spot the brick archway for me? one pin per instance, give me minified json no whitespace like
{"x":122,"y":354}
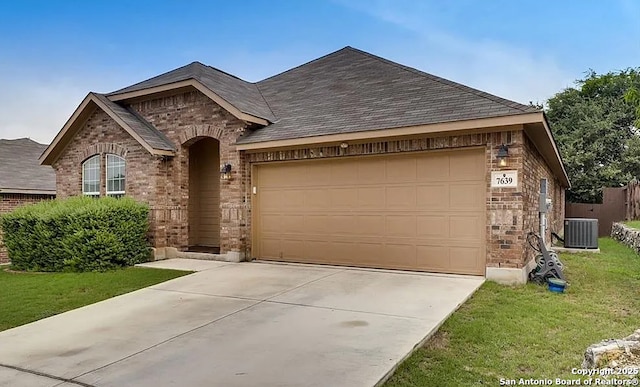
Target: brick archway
{"x":197,"y":132}
{"x":100,"y":148}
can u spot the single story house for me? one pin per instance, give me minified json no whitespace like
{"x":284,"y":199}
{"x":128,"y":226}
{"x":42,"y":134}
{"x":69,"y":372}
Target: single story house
{"x":22,"y":179}
{"x":350,"y":159}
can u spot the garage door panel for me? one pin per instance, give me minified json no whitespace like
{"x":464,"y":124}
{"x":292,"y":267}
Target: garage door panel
{"x":371,"y":198}
{"x":370,"y":225}
{"x":290,"y":223}
{"x":467,"y":166}
{"x":270,"y":200}
{"x":292,"y":200}
{"x":344,"y":225}
{"x":400,"y":170}
{"x":289,"y":175}
{"x":317,"y":174}
{"x":434,"y":258}
{"x":341,"y":253}
{"x":317,"y":224}
{"x":420,"y":211}
{"x":398,"y":255}
{"x":343,"y":198}
{"x":371,"y":171}
{"x":363,"y":252}
{"x":293,"y":249}
{"x":317,"y":250}
{"x":434,"y":168}
{"x":466,"y":196}
{"x":466,"y":258}
{"x":270,"y":247}
{"x":467,"y":227}
{"x":401,"y":197}
{"x":317,"y":199}
{"x":343,"y":173}
{"x":400,"y":225}
{"x":434,"y":196}
{"x":432,"y":226}
{"x":271,"y":223}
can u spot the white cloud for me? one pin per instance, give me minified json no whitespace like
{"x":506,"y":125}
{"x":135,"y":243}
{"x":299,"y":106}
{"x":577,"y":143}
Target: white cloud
{"x":516,"y":73}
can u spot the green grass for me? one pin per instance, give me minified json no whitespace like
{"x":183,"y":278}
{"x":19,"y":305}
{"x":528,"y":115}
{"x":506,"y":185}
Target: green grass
{"x":529,"y":332}
{"x":27,"y":297}
{"x":633,"y":223}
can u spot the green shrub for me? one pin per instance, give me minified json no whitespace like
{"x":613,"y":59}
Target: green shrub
{"x":77,"y":234}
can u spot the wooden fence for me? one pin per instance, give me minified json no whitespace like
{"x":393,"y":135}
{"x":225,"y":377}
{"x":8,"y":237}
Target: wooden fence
{"x":632,"y":200}
{"x":614,"y":208}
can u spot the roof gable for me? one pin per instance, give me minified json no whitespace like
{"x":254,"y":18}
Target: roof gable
{"x":154,"y":141}
{"x":227,"y":90}
{"x":20,"y":171}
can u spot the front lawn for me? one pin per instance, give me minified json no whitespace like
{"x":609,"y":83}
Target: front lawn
{"x":633,"y":224}
{"x":529,"y":332}
{"x":27,"y":297}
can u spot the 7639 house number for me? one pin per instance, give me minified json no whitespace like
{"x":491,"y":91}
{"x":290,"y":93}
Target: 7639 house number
{"x":504,"y":179}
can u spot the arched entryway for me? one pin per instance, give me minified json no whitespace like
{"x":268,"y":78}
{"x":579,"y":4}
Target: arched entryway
{"x":204,"y":195}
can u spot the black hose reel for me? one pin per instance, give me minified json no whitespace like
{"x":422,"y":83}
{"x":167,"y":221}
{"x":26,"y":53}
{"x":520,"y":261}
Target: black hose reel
{"x":548,"y":265}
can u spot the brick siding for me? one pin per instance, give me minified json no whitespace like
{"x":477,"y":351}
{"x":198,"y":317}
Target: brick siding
{"x":535,"y":169}
{"x":161,"y":182}
{"x":8,"y":203}
{"x":187,"y":117}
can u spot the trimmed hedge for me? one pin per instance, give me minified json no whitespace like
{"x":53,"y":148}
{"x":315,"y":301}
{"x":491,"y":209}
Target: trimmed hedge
{"x":77,"y":234}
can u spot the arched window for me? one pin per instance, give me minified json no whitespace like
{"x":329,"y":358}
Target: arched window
{"x":91,"y":176}
{"x":115,"y":175}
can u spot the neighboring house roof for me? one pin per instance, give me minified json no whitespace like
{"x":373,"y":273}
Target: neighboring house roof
{"x":351,"y":90}
{"x":20,"y":171}
{"x":241,"y":94}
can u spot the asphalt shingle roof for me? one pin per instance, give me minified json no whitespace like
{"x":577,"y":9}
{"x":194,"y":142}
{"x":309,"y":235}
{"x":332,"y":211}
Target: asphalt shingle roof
{"x":346,"y":91}
{"x":244,"y":95}
{"x":351,"y":91}
{"x":20,"y":169}
{"x":152,"y":136}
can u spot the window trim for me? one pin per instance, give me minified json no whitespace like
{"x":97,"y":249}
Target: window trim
{"x":84,"y":163}
{"x":106,"y":175}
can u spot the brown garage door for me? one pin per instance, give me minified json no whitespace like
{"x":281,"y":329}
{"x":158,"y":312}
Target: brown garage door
{"x":419,"y":211}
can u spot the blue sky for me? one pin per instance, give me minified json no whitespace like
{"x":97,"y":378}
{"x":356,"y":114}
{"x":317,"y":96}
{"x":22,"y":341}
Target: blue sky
{"x":52,"y":53}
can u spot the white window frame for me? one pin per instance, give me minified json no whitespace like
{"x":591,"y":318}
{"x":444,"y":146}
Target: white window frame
{"x":84,"y":165}
{"x":106,"y":175}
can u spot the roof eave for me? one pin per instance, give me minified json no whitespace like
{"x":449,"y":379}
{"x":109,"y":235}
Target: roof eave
{"x":548,"y":148}
{"x":543,"y":141}
{"x":450,"y":126}
{"x":50,"y":155}
{"x":27,"y":191}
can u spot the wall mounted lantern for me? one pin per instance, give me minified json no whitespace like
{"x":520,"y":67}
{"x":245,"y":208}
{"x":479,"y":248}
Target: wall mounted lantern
{"x":225,"y":171}
{"x":503,"y":154}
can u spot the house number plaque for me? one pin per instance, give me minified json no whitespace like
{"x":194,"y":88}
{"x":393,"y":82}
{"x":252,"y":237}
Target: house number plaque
{"x":504,"y":179}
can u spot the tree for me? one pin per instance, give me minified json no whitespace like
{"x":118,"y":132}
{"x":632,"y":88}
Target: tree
{"x":593,"y":125}
{"x":632,"y":96}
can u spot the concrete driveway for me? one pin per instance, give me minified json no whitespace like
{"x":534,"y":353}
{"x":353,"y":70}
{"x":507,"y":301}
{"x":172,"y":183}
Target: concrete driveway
{"x":245,"y":324}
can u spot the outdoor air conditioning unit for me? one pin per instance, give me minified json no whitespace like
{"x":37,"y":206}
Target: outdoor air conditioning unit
{"x":581,"y":233}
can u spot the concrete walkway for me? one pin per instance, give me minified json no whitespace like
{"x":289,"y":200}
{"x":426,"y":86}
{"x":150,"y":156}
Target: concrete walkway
{"x":245,"y":324}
